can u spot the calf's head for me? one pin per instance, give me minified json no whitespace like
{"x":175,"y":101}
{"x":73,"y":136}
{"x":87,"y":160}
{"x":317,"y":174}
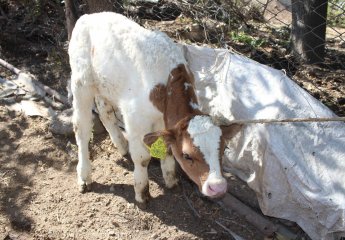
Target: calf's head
{"x":198,"y":146}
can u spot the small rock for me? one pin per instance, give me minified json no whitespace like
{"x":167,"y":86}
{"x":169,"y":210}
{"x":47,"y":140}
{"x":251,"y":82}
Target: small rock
{"x":48,"y":135}
{"x":125,"y":173}
{"x":342,"y":45}
{"x":112,"y":188}
{"x":108,"y":203}
{"x":154,"y":236}
{"x":111,"y":233}
{"x":115,"y":224}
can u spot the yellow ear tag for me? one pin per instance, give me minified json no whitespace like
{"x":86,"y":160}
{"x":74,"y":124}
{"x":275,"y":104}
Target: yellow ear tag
{"x":158,"y":149}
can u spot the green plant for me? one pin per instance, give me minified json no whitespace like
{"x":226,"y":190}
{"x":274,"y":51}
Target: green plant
{"x":336,"y":13}
{"x":242,"y":37}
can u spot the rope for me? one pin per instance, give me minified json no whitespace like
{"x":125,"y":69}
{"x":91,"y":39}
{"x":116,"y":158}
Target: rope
{"x":288,"y":120}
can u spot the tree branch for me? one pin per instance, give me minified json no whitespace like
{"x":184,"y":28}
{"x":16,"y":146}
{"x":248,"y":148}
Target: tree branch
{"x":40,"y":87}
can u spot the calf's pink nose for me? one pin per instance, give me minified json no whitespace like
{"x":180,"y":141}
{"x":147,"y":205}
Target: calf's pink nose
{"x":218,"y":188}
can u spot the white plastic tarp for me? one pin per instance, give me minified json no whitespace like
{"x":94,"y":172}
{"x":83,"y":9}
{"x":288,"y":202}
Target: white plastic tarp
{"x":296,"y":169}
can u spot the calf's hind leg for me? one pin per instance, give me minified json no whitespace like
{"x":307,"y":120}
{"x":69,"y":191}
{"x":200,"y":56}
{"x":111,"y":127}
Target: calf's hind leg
{"x":82,"y":122}
{"x":107,"y":116}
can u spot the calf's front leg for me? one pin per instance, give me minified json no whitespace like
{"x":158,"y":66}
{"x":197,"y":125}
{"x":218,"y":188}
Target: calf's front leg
{"x":169,"y":172}
{"x":82,"y":123}
{"x":141,"y":159}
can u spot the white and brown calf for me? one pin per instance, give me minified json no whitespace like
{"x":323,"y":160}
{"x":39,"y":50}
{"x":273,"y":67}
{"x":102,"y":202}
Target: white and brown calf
{"x":143,"y":74}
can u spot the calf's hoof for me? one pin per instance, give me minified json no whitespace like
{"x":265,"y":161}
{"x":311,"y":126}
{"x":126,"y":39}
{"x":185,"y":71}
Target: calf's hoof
{"x":143,"y":198}
{"x":123,"y":150}
{"x":173,"y":190}
{"x":171,"y":183}
{"x":142,"y":205}
{"x":170,"y":180}
{"x":83,"y":188}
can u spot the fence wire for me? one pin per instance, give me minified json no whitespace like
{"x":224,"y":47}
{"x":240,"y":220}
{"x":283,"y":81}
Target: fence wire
{"x":262,"y":30}
{"x":259,"y":29}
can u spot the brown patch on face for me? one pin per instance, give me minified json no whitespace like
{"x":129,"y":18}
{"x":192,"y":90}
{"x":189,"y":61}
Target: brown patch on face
{"x":228,"y":132}
{"x":221,"y":150}
{"x":194,"y":165}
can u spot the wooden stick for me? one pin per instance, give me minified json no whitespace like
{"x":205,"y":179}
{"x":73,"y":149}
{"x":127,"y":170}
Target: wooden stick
{"x":47,"y":89}
{"x":234,"y":235}
{"x":53,"y":93}
{"x":189,"y":202}
{"x":54,"y":104}
{"x":257,"y":220}
{"x":287,"y":120}
{"x":9,"y":66}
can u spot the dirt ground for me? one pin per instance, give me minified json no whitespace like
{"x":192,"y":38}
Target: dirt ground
{"x":39,"y":198}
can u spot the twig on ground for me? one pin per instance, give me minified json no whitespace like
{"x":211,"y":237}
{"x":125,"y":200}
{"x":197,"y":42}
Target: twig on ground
{"x":28,"y":88}
{"x":4,"y":173}
{"x":54,"y":104}
{"x":9,"y":66}
{"x":53,"y":93}
{"x":188,"y":201}
{"x":233,"y":222}
{"x":40,"y":85}
{"x":234,"y":235}
{"x":257,"y":220}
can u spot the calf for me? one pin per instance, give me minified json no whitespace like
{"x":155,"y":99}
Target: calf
{"x":143,"y":74}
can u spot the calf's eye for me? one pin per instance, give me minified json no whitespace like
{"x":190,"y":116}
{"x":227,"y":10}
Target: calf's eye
{"x":187,"y":157}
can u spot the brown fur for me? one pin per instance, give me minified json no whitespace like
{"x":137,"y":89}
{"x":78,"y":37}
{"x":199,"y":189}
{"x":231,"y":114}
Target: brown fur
{"x":173,"y":100}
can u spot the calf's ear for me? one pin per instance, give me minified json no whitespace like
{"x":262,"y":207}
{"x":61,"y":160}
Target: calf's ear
{"x":167,"y":135}
{"x":231,"y":130}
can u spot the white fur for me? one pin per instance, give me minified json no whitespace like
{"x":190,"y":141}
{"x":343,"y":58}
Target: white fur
{"x":118,"y":62}
{"x":194,"y":105}
{"x":187,"y":85}
{"x":205,"y":134}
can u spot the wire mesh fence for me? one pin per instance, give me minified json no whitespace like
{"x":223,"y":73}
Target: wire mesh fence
{"x":263,"y":30}
{"x":244,"y":25}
